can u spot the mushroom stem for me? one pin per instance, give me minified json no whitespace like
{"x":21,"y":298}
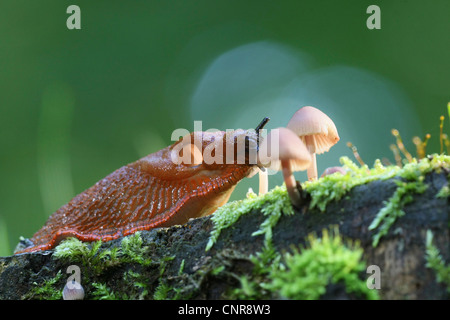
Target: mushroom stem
{"x":312,"y":169}
{"x":291,"y":184}
{"x":263,"y":182}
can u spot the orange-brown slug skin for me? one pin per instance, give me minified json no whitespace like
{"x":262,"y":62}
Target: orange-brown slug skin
{"x":151,"y":192}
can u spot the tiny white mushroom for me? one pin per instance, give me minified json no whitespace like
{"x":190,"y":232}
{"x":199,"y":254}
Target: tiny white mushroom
{"x":332,"y":170}
{"x":263,"y":181}
{"x":317,"y":131}
{"x":282,"y":149}
{"x":73,"y":291}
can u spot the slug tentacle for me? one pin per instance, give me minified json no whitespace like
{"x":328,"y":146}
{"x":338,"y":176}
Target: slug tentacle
{"x":151,"y":192}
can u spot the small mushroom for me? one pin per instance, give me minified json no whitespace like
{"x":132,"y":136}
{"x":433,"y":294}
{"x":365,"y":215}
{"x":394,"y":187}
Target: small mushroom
{"x":332,"y":170}
{"x":317,"y":131}
{"x":283,"y":149}
{"x":73,"y":291}
{"x":263,"y":181}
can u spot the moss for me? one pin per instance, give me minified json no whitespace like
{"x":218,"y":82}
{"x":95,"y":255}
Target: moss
{"x":48,"y":290}
{"x":290,"y":275}
{"x":333,"y":188}
{"x":162,"y":291}
{"x":435,"y":262}
{"x":134,"y":286}
{"x":132,"y":253}
{"x":272,"y":204}
{"x":444,"y":192}
{"x":414,"y":174}
{"x":102,"y":292}
{"x":90,"y":255}
{"x":393,"y":207}
{"x":132,"y":250}
{"x":307,"y":272}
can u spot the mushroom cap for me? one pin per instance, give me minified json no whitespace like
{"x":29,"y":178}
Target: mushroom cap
{"x":283,"y":144}
{"x":315,"y":128}
{"x":73,"y":291}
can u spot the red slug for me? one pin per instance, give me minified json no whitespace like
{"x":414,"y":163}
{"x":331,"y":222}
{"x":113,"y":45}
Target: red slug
{"x":154,"y":191}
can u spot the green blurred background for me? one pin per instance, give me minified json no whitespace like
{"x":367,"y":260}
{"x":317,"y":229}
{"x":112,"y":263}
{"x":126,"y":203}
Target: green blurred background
{"x":77,"y":104}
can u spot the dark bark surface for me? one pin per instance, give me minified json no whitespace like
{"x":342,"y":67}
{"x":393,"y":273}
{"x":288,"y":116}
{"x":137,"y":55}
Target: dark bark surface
{"x":400,"y":254}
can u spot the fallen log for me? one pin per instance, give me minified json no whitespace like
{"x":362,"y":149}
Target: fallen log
{"x":377,"y":233}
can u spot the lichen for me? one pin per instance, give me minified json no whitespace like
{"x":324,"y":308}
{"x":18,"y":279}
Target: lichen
{"x":306,"y":272}
{"x":435,"y":261}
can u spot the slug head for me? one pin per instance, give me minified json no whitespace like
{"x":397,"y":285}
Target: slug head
{"x":203,"y":151}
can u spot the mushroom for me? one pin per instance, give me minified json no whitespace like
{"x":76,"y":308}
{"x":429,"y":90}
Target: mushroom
{"x":332,"y":170}
{"x":317,"y":131}
{"x":283,"y":149}
{"x":263,"y":181}
{"x":73,"y":291}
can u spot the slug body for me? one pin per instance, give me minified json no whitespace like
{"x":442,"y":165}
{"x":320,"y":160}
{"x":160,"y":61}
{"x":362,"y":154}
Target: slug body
{"x":151,"y":192}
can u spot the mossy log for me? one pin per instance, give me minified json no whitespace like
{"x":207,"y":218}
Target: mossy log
{"x":173,"y":262}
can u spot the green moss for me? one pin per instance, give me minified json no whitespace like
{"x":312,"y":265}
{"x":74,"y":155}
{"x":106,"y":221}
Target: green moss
{"x":333,"y":188}
{"x":303,"y":273}
{"x":139,"y":282}
{"x":132,"y":250}
{"x":393,"y":207}
{"x":444,"y":192}
{"x":135,"y":285}
{"x":436,"y":262}
{"x":102,"y":292}
{"x":90,"y":255}
{"x":48,"y":290}
{"x":162,"y":291}
{"x":179,"y":287}
{"x":306,"y":272}
{"x":97,"y":260}
{"x":414,"y":174}
{"x":272,"y":204}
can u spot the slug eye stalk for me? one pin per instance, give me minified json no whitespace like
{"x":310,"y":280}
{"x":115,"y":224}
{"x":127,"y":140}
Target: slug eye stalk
{"x":260,"y":126}
{"x":248,"y":143}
